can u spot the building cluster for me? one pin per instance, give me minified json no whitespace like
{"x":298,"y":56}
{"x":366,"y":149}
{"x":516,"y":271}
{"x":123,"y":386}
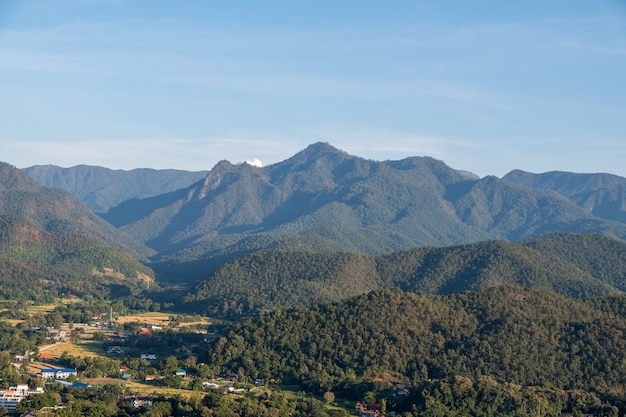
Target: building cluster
{"x":10,"y":398}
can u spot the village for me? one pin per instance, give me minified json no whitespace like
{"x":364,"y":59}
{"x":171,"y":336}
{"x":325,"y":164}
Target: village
{"x":147,"y":354}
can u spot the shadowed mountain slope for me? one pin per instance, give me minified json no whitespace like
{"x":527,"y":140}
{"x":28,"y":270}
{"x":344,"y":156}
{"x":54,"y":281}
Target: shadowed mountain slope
{"x":102,"y":188}
{"x":58,"y":212}
{"x":40,"y":266}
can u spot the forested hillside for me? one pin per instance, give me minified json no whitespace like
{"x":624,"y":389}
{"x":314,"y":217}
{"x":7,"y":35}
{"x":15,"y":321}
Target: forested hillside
{"x":58,"y":212}
{"x":576,"y":265}
{"x":40,"y":266}
{"x":464,"y":354}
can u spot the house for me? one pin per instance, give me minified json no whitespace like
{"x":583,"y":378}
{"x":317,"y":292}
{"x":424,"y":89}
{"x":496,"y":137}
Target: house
{"x":148,"y":356}
{"x":57,"y":335}
{"x":117,"y":338}
{"x":58,"y":373}
{"x":149,"y":378}
{"x":10,"y":398}
{"x":140,"y":401}
{"x":19,"y":358}
{"x":145,"y":332}
{"x":44,"y":356}
{"x":181,"y":372}
{"x":124,"y":369}
{"x":126,"y":377}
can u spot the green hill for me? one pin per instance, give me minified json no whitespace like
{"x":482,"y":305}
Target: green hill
{"x":477,"y":353}
{"x":41,"y":266}
{"x":282,"y":279}
{"x":58,"y":212}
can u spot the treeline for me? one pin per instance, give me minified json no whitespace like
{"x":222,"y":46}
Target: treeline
{"x":579,"y":266}
{"x":505,"y":335}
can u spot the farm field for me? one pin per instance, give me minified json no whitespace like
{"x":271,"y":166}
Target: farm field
{"x":139,"y":388}
{"x":159,"y":319}
{"x":86,"y":348}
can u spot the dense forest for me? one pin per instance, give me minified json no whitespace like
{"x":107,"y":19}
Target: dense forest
{"x":40,"y":266}
{"x":576,"y":265}
{"x":451,"y":350}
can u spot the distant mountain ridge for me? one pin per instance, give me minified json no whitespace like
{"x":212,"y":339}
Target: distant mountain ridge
{"x":603,"y":195}
{"x":362,"y":205}
{"x":102,"y":188}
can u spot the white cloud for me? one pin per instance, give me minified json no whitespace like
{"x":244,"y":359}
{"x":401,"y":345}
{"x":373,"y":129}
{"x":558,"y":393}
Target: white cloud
{"x":254,"y":162}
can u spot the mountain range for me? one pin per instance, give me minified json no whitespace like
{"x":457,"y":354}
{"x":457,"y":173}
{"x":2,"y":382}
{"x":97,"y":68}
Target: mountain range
{"x":358,"y":204}
{"x":323,"y":199}
{"x":334,"y":208}
{"x":101,"y":188}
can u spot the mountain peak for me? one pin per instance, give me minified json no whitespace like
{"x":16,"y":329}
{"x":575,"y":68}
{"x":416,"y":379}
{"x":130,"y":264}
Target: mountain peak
{"x":315,"y":152}
{"x":322,"y":149}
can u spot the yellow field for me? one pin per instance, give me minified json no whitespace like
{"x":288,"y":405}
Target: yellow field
{"x":86,"y":348}
{"x":147,"y":389}
{"x":140,"y":388}
{"x":157,"y":319}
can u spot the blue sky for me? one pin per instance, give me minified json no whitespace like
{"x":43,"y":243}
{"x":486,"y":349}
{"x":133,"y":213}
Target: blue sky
{"x":485,"y":86}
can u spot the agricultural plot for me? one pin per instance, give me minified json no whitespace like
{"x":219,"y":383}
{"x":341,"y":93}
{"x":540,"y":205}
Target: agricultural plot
{"x":160,"y":319}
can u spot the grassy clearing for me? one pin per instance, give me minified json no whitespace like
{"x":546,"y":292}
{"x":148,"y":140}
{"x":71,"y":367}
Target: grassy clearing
{"x":148,"y":389}
{"x":86,"y":348}
{"x":158,"y":319}
{"x":139,"y":388}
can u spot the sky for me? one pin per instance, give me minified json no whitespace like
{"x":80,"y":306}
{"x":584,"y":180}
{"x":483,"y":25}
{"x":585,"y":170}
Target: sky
{"x":486,"y":86}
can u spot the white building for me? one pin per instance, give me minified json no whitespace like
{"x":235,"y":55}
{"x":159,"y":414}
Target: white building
{"x":58,"y":373}
{"x":10,"y":398}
